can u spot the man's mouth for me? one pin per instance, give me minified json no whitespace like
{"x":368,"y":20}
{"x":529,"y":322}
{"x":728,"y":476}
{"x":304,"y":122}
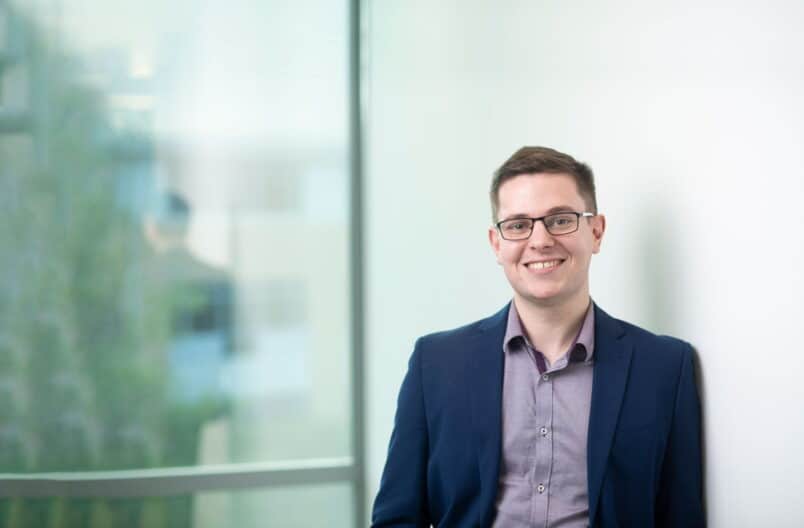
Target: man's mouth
{"x":544,"y":265}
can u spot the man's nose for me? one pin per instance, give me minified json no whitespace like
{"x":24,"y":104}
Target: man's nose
{"x":540,"y":237}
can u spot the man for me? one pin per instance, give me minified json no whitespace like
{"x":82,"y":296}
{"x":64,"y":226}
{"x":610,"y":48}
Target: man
{"x":550,"y":413}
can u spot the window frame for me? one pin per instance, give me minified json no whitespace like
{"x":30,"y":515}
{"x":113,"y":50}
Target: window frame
{"x":250,"y":476}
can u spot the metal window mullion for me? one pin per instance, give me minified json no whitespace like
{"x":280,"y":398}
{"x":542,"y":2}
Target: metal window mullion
{"x":173,"y":481}
{"x":357,"y":252}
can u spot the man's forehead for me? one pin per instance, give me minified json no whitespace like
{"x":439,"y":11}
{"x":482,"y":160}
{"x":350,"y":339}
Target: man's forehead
{"x":541,"y":179}
{"x":544,"y":193}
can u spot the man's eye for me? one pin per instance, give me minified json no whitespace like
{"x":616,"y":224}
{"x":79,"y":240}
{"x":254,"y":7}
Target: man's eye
{"x":560,"y":221}
{"x":517,"y":226}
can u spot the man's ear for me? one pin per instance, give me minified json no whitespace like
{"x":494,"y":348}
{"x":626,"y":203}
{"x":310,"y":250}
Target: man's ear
{"x":598,"y":230}
{"x":494,"y":241}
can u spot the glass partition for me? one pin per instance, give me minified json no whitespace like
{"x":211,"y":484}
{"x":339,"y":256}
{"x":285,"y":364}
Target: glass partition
{"x":175,"y":248}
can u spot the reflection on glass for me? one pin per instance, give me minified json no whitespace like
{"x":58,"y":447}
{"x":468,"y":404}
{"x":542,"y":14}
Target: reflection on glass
{"x":288,"y":507}
{"x":174,"y":248}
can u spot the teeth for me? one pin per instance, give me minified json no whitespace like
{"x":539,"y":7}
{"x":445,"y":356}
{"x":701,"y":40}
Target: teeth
{"x":543,"y":265}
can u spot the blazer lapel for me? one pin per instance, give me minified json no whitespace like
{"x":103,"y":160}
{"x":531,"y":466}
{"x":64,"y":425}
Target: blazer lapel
{"x":612,"y":360}
{"x":485,"y":383}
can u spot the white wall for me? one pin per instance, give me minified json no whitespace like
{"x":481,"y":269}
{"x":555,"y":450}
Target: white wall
{"x":692,"y":118}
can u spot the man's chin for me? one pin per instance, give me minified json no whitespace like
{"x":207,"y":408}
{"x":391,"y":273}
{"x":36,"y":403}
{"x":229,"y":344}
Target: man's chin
{"x":543,"y":298}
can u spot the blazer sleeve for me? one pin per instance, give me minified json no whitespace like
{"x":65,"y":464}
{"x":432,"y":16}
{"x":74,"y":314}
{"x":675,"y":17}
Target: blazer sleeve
{"x":402,"y":498}
{"x":679,"y":503}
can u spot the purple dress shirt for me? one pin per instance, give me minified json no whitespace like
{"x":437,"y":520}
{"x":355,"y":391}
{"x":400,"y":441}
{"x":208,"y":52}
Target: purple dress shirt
{"x":545,"y":419}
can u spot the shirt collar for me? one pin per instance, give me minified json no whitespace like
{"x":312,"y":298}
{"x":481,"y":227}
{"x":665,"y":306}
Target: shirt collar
{"x":514,"y":334}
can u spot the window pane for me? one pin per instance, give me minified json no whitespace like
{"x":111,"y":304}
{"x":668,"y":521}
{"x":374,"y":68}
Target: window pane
{"x":288,"y":507}
{"x":174,"y":247}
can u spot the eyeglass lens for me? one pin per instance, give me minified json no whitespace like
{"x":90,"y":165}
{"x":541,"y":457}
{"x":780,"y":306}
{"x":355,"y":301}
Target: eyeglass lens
{"x":557,"y":224}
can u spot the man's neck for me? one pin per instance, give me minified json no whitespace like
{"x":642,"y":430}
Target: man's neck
{"x":552,"y":329}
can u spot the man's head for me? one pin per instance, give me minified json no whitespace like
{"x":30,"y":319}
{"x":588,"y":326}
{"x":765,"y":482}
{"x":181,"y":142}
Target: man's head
{"x":548,"y":265}
{"x":543,"y":160}
{"x":167,"y":223}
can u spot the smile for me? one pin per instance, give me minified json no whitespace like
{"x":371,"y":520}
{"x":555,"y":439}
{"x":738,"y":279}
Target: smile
{"x":544,"y":265}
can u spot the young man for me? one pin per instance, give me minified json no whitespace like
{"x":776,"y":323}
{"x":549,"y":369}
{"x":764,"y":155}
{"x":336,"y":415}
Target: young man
{"x":550,"y":413}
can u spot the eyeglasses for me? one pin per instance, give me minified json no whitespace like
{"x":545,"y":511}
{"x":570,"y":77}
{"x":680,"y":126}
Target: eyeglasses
{"x":556,"y":224}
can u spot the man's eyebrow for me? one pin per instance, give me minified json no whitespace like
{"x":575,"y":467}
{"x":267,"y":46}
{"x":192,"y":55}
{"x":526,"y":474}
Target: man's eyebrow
{"x":561,"y":209}
{"x":515,"y":216}
{"x":552,"y":210}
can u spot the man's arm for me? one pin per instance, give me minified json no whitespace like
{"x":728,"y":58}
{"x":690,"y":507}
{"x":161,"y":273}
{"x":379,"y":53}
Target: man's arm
{"x":402,"y":499}
{"x":679,"y":503}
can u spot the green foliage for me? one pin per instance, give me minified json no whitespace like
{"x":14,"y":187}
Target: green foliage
{"x":83,"y":328}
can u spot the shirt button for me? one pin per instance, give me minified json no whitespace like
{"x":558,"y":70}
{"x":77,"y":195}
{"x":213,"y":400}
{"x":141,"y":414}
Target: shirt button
{"x":544,"y":431}
{"x":546,"y":377}
{"x":540,"y":488}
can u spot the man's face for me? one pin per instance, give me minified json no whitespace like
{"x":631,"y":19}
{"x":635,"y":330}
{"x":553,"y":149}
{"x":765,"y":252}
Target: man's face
{"x":546,"y":270}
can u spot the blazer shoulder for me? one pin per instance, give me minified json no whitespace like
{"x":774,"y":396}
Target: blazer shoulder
{"x":649,"y":342}
{"x":449,"y":337}
{"x":456,"y":338}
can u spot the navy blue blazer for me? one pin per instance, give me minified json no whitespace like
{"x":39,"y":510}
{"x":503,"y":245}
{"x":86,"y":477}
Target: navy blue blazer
{"x":644,"y":443}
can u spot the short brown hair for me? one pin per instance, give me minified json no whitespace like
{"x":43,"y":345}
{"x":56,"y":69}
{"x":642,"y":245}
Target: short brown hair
{"x":534,"y":160}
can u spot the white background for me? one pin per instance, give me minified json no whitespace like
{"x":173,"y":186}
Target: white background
{"x":692,"y":117}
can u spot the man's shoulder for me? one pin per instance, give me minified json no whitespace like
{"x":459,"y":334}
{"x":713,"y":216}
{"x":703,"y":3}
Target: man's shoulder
{"x":455,"y":337}
{"x":648,"y":342}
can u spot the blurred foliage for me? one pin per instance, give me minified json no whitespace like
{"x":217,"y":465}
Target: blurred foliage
{"x":83,"y":328}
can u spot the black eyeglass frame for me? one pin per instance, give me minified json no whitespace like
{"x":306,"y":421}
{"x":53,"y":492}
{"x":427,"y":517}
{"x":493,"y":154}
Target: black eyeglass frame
{"x":541,"y":219}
